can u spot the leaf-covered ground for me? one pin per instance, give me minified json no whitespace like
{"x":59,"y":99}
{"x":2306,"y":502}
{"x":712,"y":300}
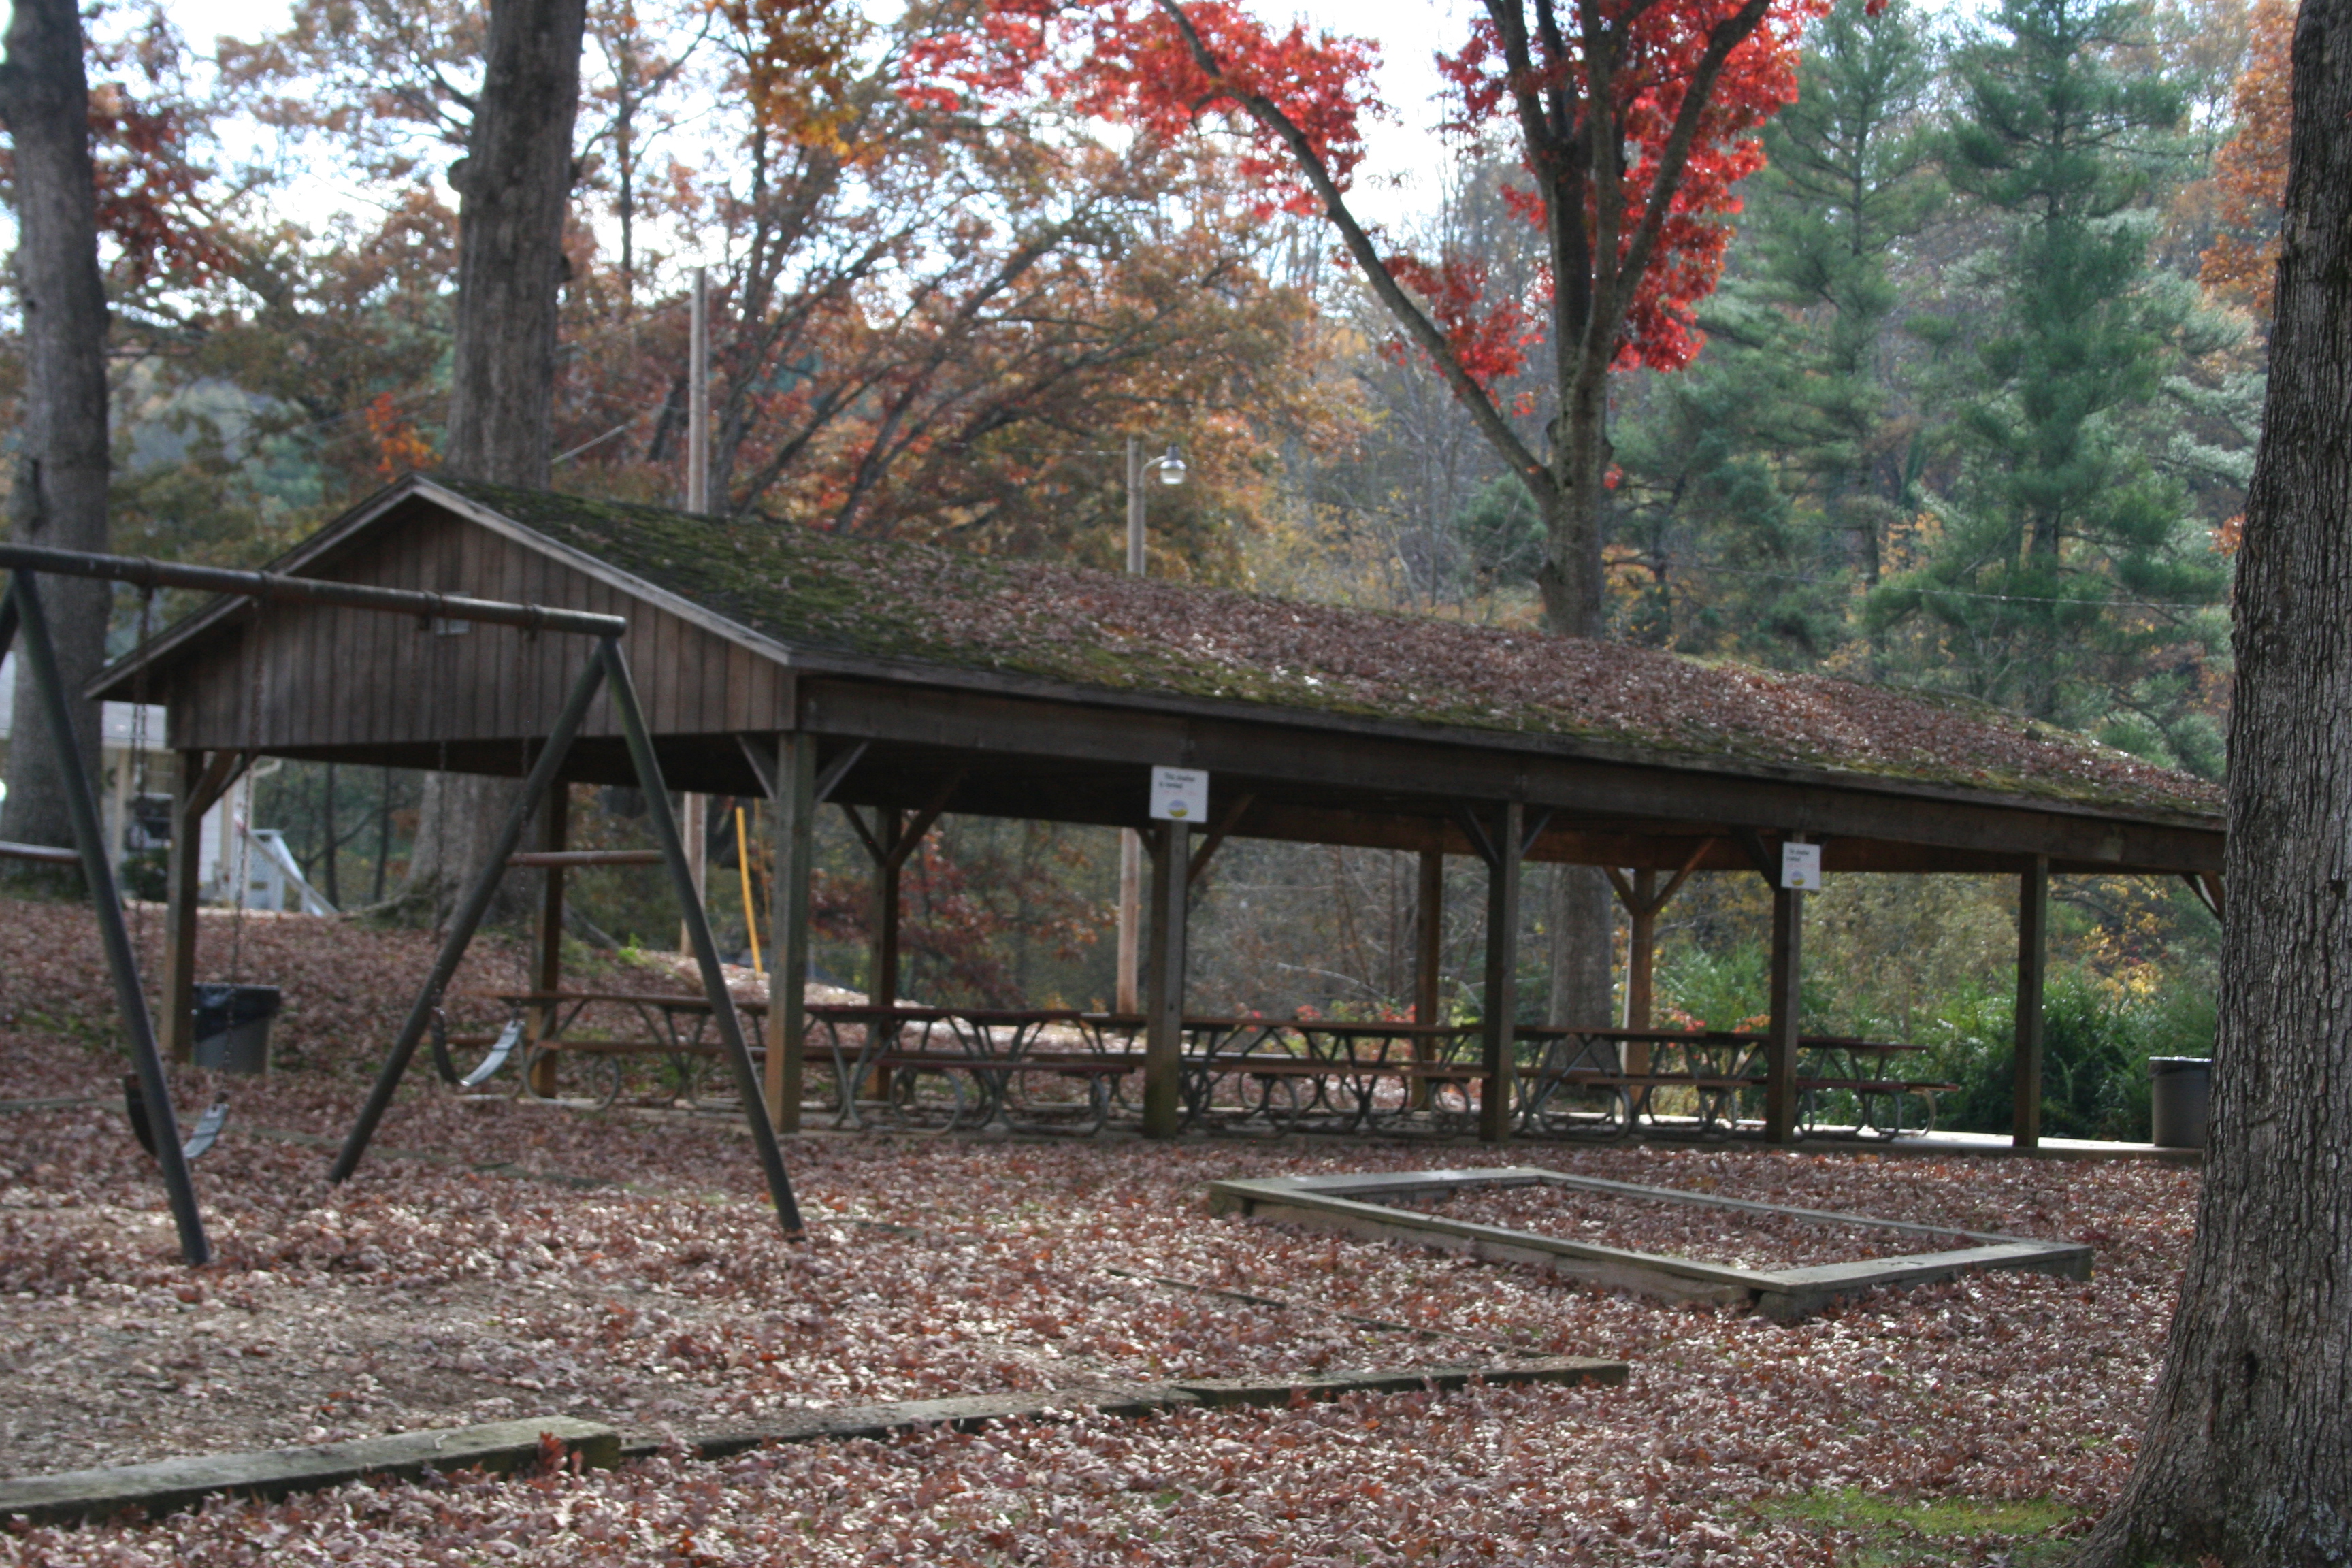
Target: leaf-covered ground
{"x":1734,"y":1238}
{"x":488,"y":1280}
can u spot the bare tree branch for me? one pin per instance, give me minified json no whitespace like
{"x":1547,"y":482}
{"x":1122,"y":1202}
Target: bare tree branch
{"x":1424,"y":332}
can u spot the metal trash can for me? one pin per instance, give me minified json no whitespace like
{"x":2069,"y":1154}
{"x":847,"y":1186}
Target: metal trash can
{"x":233,"y":1026}
{"x":2181,"y":1091}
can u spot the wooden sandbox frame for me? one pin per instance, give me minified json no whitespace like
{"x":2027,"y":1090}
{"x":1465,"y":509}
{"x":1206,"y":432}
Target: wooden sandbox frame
{"x":1360,"y":1206}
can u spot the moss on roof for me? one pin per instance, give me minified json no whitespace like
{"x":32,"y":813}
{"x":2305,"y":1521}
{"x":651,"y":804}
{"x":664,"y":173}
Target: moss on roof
{"x":1090,"y":628}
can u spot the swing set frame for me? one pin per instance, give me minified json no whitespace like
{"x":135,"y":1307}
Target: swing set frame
{"x":606,"y":671}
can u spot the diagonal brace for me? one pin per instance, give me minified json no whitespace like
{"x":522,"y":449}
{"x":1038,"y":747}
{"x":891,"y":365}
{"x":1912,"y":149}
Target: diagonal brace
{"x":1481,"y":844}
{"x":23,"y":607}
{"x":469,"y":915}
{"x":624,"y":694}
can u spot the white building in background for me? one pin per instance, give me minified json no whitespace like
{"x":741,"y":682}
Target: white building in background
{"x":138,"y":811}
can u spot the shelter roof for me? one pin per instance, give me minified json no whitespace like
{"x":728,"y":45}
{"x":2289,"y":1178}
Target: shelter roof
{"x":930,"y":606}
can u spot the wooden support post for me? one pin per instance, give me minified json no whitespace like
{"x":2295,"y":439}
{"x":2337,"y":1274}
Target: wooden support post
{"x":1780,"y":1044}
{"x":1428,"y":951}
{"x":882,"y":921}
{"x":197,"y":784}
{"x":1429,"y":936}
{"x":882,"y":935}
{"x":182,"y":886}
{"x":1641,"y":961}
{"x":1499,"y":1008}
{"x":1643,"y":900}
{"x":2032,"y":965}
{"x":889,"y":842}
{"x":788,"y":924}
{"x":554,"y":834}
{"x":1124,"y":989}
{"x":1164,"y":1000}
{"x":693,"y":831}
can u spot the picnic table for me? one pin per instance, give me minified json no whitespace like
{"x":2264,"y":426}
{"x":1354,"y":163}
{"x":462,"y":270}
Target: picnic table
{"x":1305,"y":1074}
{"x":1603,"y":1082}
{"x":909,"y":1067}
{"x":1026,"y":1069}
{"x":549,"y":1028}
{"x":1063,"y":1070}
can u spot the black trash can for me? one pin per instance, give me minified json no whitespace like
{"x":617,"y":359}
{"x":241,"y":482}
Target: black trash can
{"x":233,"y":1026}
{"x":2181,"y":1091}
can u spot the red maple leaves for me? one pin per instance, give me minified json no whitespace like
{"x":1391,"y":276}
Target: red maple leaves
{"x":1135,"y":64}
{"x":1490,"y":337}
{"x":1645,"y":87}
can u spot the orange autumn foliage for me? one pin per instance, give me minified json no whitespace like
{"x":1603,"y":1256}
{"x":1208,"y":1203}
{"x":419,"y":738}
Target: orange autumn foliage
{"x":400,"y":447}
{"x":2250,"y":171}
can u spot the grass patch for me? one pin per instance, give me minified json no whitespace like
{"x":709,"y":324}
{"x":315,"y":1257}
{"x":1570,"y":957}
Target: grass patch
{"x":1933,"y":1531}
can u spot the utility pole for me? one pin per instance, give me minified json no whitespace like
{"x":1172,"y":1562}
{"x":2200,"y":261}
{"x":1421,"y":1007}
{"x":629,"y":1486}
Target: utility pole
{"x":695,"y":829}
{"x":1171,"y":469}
{"x":698,"y":399}
{"x":1130,"y":843}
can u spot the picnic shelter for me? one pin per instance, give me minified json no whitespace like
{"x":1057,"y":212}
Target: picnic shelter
{"x":899,"y":682}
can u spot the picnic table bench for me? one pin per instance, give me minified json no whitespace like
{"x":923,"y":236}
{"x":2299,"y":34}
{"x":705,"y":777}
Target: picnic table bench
{"x":548,"y":1026}
{"x":1069,"y":1071}
{"x":1603,"y":1082}
{"x":928,"y":1067}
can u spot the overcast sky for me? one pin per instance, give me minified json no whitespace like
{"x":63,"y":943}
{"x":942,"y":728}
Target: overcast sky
{"x":1401,"y":146}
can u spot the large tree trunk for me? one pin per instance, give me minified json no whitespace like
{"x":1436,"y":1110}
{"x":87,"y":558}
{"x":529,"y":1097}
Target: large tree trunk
{"x":1582,"y":930}
{"x":2248,"y":1455}
{"x":59,"y":496}
{"x":513,"y":185}
{"x":1575,"y":518}
{"x":1574,"y":508}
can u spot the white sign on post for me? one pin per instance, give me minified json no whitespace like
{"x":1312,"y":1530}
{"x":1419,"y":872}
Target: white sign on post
{"x":1800,"y":868}
{"x":1179,"y":794}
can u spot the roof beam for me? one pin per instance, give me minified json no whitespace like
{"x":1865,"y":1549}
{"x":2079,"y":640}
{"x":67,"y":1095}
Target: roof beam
{"x":978,"y":724}
{"x":143,"y":572}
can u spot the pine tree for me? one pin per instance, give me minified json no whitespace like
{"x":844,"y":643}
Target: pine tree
{"x":1850,"y":182}
{"x":1785,"y":460}
{"x":2067,"y":566}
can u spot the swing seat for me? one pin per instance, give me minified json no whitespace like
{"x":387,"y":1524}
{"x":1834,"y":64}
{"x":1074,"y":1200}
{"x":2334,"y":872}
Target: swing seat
{"x":208,"y":1130}
{"x":502,"y":1049}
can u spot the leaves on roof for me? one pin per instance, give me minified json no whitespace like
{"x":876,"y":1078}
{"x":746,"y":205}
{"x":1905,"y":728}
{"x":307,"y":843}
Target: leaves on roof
{"x":1099,"y":629}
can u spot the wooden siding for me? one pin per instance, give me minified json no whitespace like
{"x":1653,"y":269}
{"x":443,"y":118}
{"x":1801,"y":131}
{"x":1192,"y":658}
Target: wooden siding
{"x":319,"y":677}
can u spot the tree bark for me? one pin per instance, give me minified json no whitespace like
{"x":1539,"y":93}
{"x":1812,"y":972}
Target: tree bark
{"x":2248,"y":1455}
{"x":1581,"y":928}
{"x":60,"y":497}
{"x":1575,"y":603}
{"x":514,"y":184}
{"x":1573,"y":508}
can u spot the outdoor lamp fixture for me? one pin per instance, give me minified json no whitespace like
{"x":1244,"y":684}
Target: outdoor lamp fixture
{"x":1172,"y":467}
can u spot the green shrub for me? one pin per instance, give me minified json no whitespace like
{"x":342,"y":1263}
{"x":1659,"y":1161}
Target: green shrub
{"x":2095,"y":1048}
{"x":2095,"y":1044}
{"x":1722,"y":991}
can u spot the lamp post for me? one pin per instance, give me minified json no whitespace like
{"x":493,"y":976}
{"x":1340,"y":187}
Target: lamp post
{"x":1171,"y":469}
